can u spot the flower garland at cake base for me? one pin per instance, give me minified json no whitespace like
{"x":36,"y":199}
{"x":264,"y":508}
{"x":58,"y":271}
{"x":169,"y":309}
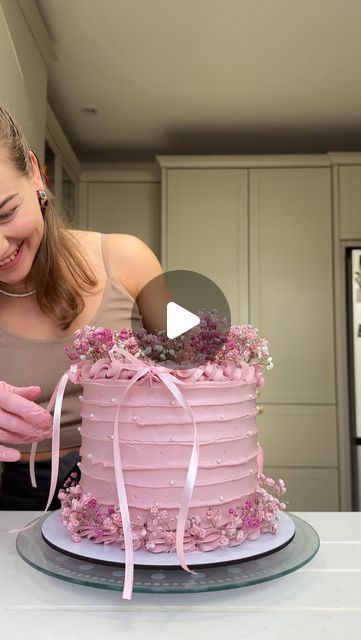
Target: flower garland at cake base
{"x":85,"y":518}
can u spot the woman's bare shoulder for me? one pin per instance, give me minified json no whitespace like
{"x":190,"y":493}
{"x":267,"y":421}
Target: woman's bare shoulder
{"x":85,"y":236}
{"x":131,"y":261}
{"x":90,"y":243}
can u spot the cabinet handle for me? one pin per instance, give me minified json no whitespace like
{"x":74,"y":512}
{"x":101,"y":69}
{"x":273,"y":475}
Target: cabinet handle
{"x":260,"y":409}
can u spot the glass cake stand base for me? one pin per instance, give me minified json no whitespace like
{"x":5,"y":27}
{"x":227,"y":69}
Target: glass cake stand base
{"x":303,"y":546}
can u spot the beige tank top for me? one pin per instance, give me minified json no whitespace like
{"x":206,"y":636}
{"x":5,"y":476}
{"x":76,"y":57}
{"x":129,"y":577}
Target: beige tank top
{"x":27,"y":361}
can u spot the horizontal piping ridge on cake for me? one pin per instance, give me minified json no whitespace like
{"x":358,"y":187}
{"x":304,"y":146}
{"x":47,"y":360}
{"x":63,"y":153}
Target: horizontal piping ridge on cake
{"x":168,"y":441}
{"x":207,"y":431}
{"x":152,"y":423}
{"x":167,"y":486}
{"x":230,"y":490}
{"x":126,"y":415}
{"x":202,"y":465}
{"x":177,"y":452}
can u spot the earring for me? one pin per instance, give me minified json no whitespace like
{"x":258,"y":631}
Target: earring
{"x":43,"y":201}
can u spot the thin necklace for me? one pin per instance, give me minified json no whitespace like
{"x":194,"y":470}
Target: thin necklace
{"x":18,"y":295}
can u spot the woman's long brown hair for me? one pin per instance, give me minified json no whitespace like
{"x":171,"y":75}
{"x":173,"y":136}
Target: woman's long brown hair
{"x":60,"y":269}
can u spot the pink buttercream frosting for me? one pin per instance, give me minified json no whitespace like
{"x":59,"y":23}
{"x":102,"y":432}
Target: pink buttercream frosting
{"x":115,"y":369}
{"x":155,"y":529}
{"x":156,"y":437}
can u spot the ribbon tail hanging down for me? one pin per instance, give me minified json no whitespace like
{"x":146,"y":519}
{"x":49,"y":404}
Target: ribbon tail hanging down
{"x":166,"y":379}
{"x":122,"y":497}
{"x":55,"y":447}
{"x":191,"y":474}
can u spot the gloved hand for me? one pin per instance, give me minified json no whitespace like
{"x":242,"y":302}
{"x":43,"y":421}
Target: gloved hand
{"x":21,"y":420}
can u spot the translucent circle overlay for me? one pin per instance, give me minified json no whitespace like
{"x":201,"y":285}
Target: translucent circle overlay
{"x":195,"y":293}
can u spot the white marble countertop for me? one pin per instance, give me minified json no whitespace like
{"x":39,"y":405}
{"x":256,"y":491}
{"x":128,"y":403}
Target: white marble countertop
{"x":321,"y":600}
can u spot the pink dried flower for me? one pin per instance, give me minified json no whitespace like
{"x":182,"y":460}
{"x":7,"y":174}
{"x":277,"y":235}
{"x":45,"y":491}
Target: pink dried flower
{"x":210,"y":341}
{"x":244,"y":345}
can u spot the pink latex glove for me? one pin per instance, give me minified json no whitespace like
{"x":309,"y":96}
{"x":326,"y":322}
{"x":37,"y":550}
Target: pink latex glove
{"x":21,"y":420}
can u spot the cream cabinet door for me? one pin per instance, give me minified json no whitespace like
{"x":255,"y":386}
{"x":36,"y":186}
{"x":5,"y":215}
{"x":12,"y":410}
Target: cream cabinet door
{"x":121,"y":207}
{"x":291,"y":289}
{"x":308,"y":489}
{"x":298,"y":435}
{"x":205,"y":230}
{"x":350,"y":203}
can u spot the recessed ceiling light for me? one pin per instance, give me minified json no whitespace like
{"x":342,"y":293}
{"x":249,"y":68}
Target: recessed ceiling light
{"x":89,"y":108}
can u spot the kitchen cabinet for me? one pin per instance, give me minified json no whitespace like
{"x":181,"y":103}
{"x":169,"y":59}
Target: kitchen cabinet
{"x":350,"y":202}
{"x":205,"y":228}
{"x":262,"y":230}
{"x":117,"y":204}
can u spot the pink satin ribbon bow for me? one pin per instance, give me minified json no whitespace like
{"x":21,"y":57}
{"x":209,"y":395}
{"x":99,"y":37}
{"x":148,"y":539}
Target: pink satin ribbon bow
{"x":150,"y":372}
{"x":144,"y":371}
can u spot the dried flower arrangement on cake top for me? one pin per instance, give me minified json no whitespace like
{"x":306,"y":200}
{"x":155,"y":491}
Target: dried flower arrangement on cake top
{"x":209,"y":342}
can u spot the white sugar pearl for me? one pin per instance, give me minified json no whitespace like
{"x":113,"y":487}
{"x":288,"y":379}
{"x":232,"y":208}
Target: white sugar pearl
{"x":173,"y":402}
{"x":221,"y":498}
{"x":172,"y":439}
{"x":221,"y":417}
{"x":249,"y":433}
{"x":91,"y":416}
{"x":134,"y":418}
{"x":251,"y":396}
{"x":78,"y":464}
{"x":114,"y":400}
{"x":80,"y":397}
{"x":171,"y":482}
{"x":79,"y":428}
{"x":251,"y":471}
{"x":90,"y":455}
{"x":218,"y":461}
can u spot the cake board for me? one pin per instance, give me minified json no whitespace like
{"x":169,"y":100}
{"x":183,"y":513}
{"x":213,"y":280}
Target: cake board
{"x":57,"y":536}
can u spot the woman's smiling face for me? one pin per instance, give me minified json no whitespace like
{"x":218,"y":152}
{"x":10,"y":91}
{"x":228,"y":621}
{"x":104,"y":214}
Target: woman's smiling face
{"x":21,"y":221}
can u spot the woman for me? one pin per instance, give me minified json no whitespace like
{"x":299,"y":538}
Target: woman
{"x":53,"y":280}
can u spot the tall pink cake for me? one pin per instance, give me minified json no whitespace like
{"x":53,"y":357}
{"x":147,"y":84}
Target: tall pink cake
{"x":231,"y":499}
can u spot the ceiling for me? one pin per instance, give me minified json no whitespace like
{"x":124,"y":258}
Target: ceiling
{"x":205,"y":76}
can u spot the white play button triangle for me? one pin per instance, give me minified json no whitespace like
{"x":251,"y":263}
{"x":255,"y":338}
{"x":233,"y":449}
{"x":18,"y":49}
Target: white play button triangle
{"x":179,"y":320}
